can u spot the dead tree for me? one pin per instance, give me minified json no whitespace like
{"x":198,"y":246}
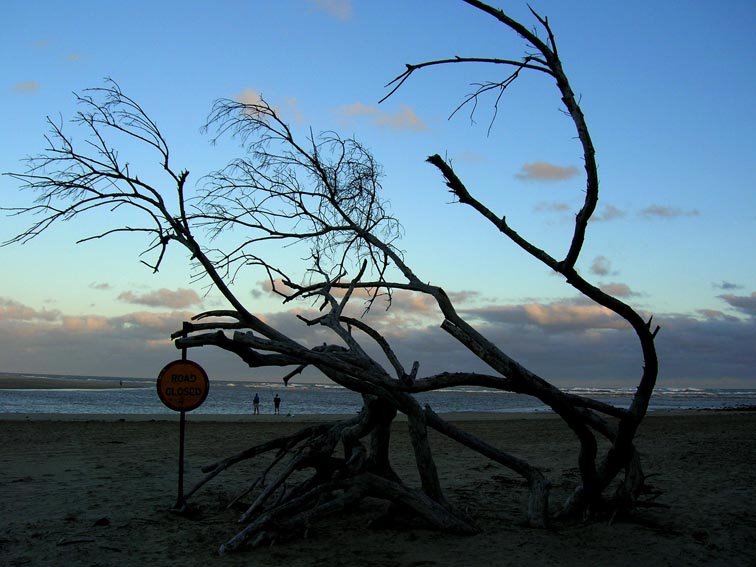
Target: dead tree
{"x":324,"y":192}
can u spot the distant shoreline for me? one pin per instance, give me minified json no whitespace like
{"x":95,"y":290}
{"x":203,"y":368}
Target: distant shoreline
{"x":41,"y":383}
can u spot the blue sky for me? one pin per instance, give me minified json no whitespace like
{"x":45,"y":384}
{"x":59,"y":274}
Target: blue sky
{"x":667,"y":89}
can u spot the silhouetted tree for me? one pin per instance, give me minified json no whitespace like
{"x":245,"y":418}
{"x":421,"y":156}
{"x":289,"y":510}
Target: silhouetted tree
{"x":324,"y":192}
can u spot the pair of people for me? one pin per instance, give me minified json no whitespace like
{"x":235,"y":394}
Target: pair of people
{"x":276,"y":404}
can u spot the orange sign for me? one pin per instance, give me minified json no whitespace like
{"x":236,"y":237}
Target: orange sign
{"x":182,"y":385}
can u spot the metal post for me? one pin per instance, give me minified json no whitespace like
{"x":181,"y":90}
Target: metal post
{"x":182,"y":429}
{"x":180,"y":498}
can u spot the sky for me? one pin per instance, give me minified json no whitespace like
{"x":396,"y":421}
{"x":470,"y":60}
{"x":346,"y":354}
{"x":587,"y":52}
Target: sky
{"x":667,"y":89}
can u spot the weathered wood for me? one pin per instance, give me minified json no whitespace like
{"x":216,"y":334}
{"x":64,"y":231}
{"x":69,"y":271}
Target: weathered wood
{"x":324,"y":192}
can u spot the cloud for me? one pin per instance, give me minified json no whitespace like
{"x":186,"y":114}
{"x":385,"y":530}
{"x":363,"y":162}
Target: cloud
{"x":465,"y":296}
{"x":726,"y":286}
{"x":558,"y":316}
{"x":569,"y":342}
{"x":339,"y":9}
{"x":289,"y":111}
{"x":743,"y":303}
{"x":100,"y":286}
{"x":601,"y":266}
{"x":177,"y":299}
{"x":86,"y":324}
{"x":609,"y":213}
{"x":73,"y":57}
{"x":403,"y":119}
{"x":26,"y":87}
{"x":249,"y":96}
{"x":660,"y":211}
{"x":617,"y":290}
{"x":553,"y":207}
{"x":136,"y":344}
{"x":715,"y":314}
{"x":543,"y":171}
{"x":13,"y":310}
{"x":161,"y":323}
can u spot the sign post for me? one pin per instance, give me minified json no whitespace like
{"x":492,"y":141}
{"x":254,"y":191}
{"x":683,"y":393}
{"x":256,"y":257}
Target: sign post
{"x":182,"y":386}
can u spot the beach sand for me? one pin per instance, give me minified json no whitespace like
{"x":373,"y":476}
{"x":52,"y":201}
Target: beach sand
{"x":97,"y":492}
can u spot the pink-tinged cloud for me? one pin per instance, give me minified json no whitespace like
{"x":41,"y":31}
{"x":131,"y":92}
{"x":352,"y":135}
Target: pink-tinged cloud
{"x":86,"y":324}
{"x":404,"y":119}
{"x":617,"y":289}
{"x":100,"y":286}
{"x":572,"y":315}
{"x":163,"y":323}
{"x":267,"y":286}
{"x":339,"y":9}
{"x":290,"y":110}
{"x":11,"y":310}
{"x":177,"y":299}
{"x":249,"y":96}
{"x":358,"y":109}
{"x":416,"y":303}
{"x":743,"y":303}
{"x":26,"y":87}
{"x":660,"y":211}
{"x":547,"y":172}
{"x":558,"y":317}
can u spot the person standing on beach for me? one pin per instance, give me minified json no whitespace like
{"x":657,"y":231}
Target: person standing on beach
{"x":256,"y":404}
{"x":276,"y":404}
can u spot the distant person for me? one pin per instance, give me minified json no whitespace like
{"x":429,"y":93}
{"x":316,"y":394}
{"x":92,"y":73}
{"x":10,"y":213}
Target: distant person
{"x":276,"y":405}
{"x":256,"y":404}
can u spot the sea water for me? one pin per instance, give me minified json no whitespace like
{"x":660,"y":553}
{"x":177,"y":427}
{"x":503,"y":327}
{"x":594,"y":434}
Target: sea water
{"x":139,"y":396}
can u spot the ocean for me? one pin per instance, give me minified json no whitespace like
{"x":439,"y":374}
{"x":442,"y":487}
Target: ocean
{"x":139,"y":397}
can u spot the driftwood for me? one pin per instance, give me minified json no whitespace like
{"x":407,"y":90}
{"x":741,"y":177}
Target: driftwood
{"x":324,"y":192}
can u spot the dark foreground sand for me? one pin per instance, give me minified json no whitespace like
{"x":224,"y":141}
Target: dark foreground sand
{"x":97,"y":493}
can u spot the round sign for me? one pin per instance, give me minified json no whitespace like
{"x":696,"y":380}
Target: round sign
{"x":182,"y":385}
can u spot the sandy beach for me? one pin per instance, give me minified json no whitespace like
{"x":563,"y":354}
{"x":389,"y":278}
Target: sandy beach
{"x":97,"y":492}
